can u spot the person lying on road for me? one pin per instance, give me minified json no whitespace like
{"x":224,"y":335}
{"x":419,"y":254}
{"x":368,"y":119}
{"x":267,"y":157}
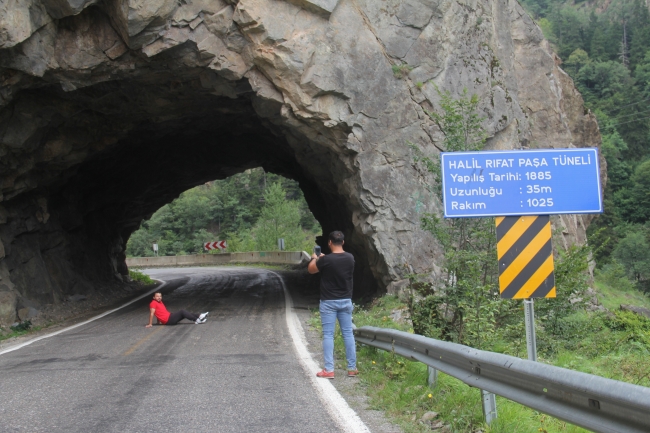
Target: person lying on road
{"x":157,"y":308}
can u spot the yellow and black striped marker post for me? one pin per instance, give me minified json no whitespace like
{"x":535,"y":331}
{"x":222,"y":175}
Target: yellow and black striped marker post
{"x":525,"y":257}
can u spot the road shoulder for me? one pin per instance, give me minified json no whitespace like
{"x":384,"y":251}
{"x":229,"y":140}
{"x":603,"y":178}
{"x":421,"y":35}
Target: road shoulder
{"x":71,"y":315}
{"x":305,"y":301}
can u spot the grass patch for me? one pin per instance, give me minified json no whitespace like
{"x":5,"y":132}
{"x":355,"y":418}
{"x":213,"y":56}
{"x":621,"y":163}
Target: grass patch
{"x":595,"y":343}
{"x":612,"y":297}
{"x":401,"y":71}
{"x":22,"y":328}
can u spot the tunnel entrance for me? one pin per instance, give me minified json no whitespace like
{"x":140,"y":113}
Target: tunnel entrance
{"x":113,"y":153}
{"x":250,"y":211}
{"x":110,"y":109}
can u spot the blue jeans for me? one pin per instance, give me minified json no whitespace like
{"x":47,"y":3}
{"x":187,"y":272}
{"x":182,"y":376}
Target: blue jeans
{"x":340,"y":309}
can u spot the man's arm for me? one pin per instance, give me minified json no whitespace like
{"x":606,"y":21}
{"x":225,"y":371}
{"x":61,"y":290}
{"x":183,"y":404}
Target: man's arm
{"x":312,"y":268}
{"x":151,"y":313}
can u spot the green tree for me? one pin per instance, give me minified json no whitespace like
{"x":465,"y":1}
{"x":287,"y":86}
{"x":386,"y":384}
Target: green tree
{"x":617,"y":94}
{"x":602,"y":233}
{"x":571,"y":281}
{"x":537,"y":8}
{"x":241,"y":242}
{"x":141,"y":244}
{"x":640,"y":33}
{"x":633,"y":251}
{"x":465,"y":312}
{"x":602,"y":80}
{"x":547,"y":29}
{"x":190,"y":212}
{"x":613,"y":148}
{"x":280,"y":218}
{"x":569,"y":27}
{"x":642,"y":75}
{"x":638,"y":208}
{"x":598,"y":47}
{"x":576,"y":60}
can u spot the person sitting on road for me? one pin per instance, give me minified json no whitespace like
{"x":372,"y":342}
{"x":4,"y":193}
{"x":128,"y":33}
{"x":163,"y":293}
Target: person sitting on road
{"x":157,"y":308}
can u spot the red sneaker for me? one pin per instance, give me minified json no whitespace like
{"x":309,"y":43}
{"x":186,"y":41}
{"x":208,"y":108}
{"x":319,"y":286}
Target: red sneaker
{"x":325,"y":374}
{"x":353,"y":373}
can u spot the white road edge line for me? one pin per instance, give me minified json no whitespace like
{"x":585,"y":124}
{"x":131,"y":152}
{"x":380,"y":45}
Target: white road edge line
{"x":336,"y":406}
{"x":43,"y":337}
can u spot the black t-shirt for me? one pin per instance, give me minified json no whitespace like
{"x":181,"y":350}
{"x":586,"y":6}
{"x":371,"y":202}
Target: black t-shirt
{"x":336,"y":276}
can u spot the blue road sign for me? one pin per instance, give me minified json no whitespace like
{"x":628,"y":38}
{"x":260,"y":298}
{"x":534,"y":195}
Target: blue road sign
{"x":521,"y":182}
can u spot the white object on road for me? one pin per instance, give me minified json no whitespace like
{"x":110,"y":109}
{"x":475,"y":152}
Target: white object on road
{"x":346,"y":418}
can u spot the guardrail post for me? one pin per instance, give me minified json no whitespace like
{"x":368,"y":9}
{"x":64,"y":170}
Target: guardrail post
{"x":531,"y":341}
{"x":489,"y":403}
{"x":432,"y":378}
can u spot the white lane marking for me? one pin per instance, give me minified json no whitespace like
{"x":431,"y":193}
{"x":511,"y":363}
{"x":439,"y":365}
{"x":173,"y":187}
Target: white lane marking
{"x":27,"y":343}
{"x":336,"y":406}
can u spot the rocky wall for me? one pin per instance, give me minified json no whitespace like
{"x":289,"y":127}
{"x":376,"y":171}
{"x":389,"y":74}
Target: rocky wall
{"x":111,"y":108}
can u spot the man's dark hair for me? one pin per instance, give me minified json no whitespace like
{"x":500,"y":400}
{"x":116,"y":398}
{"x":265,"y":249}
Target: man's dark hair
{"x":336,"y":237}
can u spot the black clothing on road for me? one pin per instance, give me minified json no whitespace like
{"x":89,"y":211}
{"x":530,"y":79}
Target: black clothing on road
{"x":336,"y":271}
{"x":177,"y":316}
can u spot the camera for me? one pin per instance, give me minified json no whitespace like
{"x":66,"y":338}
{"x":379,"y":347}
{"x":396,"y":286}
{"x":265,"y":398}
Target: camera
{"x":317,"y":250}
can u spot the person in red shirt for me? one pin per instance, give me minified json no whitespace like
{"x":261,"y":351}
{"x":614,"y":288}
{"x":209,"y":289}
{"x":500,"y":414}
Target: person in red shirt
{"x":158,"y":309}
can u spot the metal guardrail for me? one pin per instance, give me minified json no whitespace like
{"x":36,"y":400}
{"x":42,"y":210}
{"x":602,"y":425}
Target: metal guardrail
{"x":589,"y":401}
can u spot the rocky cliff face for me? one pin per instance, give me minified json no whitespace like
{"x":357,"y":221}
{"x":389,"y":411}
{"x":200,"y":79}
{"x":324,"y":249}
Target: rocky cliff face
{"x":111,"y":108}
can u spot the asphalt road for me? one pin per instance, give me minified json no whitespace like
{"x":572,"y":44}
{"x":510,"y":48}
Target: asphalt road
{"x":236,"y":373}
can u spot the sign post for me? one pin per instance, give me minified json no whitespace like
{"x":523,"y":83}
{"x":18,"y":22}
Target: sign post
{"x":531,"y":340}
{"x":521,"y":189}
{"x":525,"y":258}
{"x":155,"y":250}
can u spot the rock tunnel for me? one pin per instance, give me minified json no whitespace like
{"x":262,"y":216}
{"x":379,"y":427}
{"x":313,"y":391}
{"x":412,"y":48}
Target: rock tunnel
{"x":110,"y":109}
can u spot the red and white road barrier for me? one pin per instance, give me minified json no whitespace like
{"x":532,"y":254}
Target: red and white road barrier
{"x":218,"y":245}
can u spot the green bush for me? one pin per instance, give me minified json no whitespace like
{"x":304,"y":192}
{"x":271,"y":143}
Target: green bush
{"x":140,"y":277}
{"x":614,"y":275}
{"x":22,"y":326}
{"x":426,"y":317}
{"x":636,"y":327}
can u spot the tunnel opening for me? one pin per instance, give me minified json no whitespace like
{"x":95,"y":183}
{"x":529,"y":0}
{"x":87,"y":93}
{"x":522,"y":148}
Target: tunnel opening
{"x":250,"y":211}
{"x":113,"y":153}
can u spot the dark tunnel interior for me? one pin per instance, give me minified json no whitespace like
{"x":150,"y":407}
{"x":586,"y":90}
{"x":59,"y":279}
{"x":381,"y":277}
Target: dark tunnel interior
{"x":122,"y":149}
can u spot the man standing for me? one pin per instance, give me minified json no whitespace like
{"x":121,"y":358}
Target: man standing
{"x":158,"y":309}
{"x":335,"y":302}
